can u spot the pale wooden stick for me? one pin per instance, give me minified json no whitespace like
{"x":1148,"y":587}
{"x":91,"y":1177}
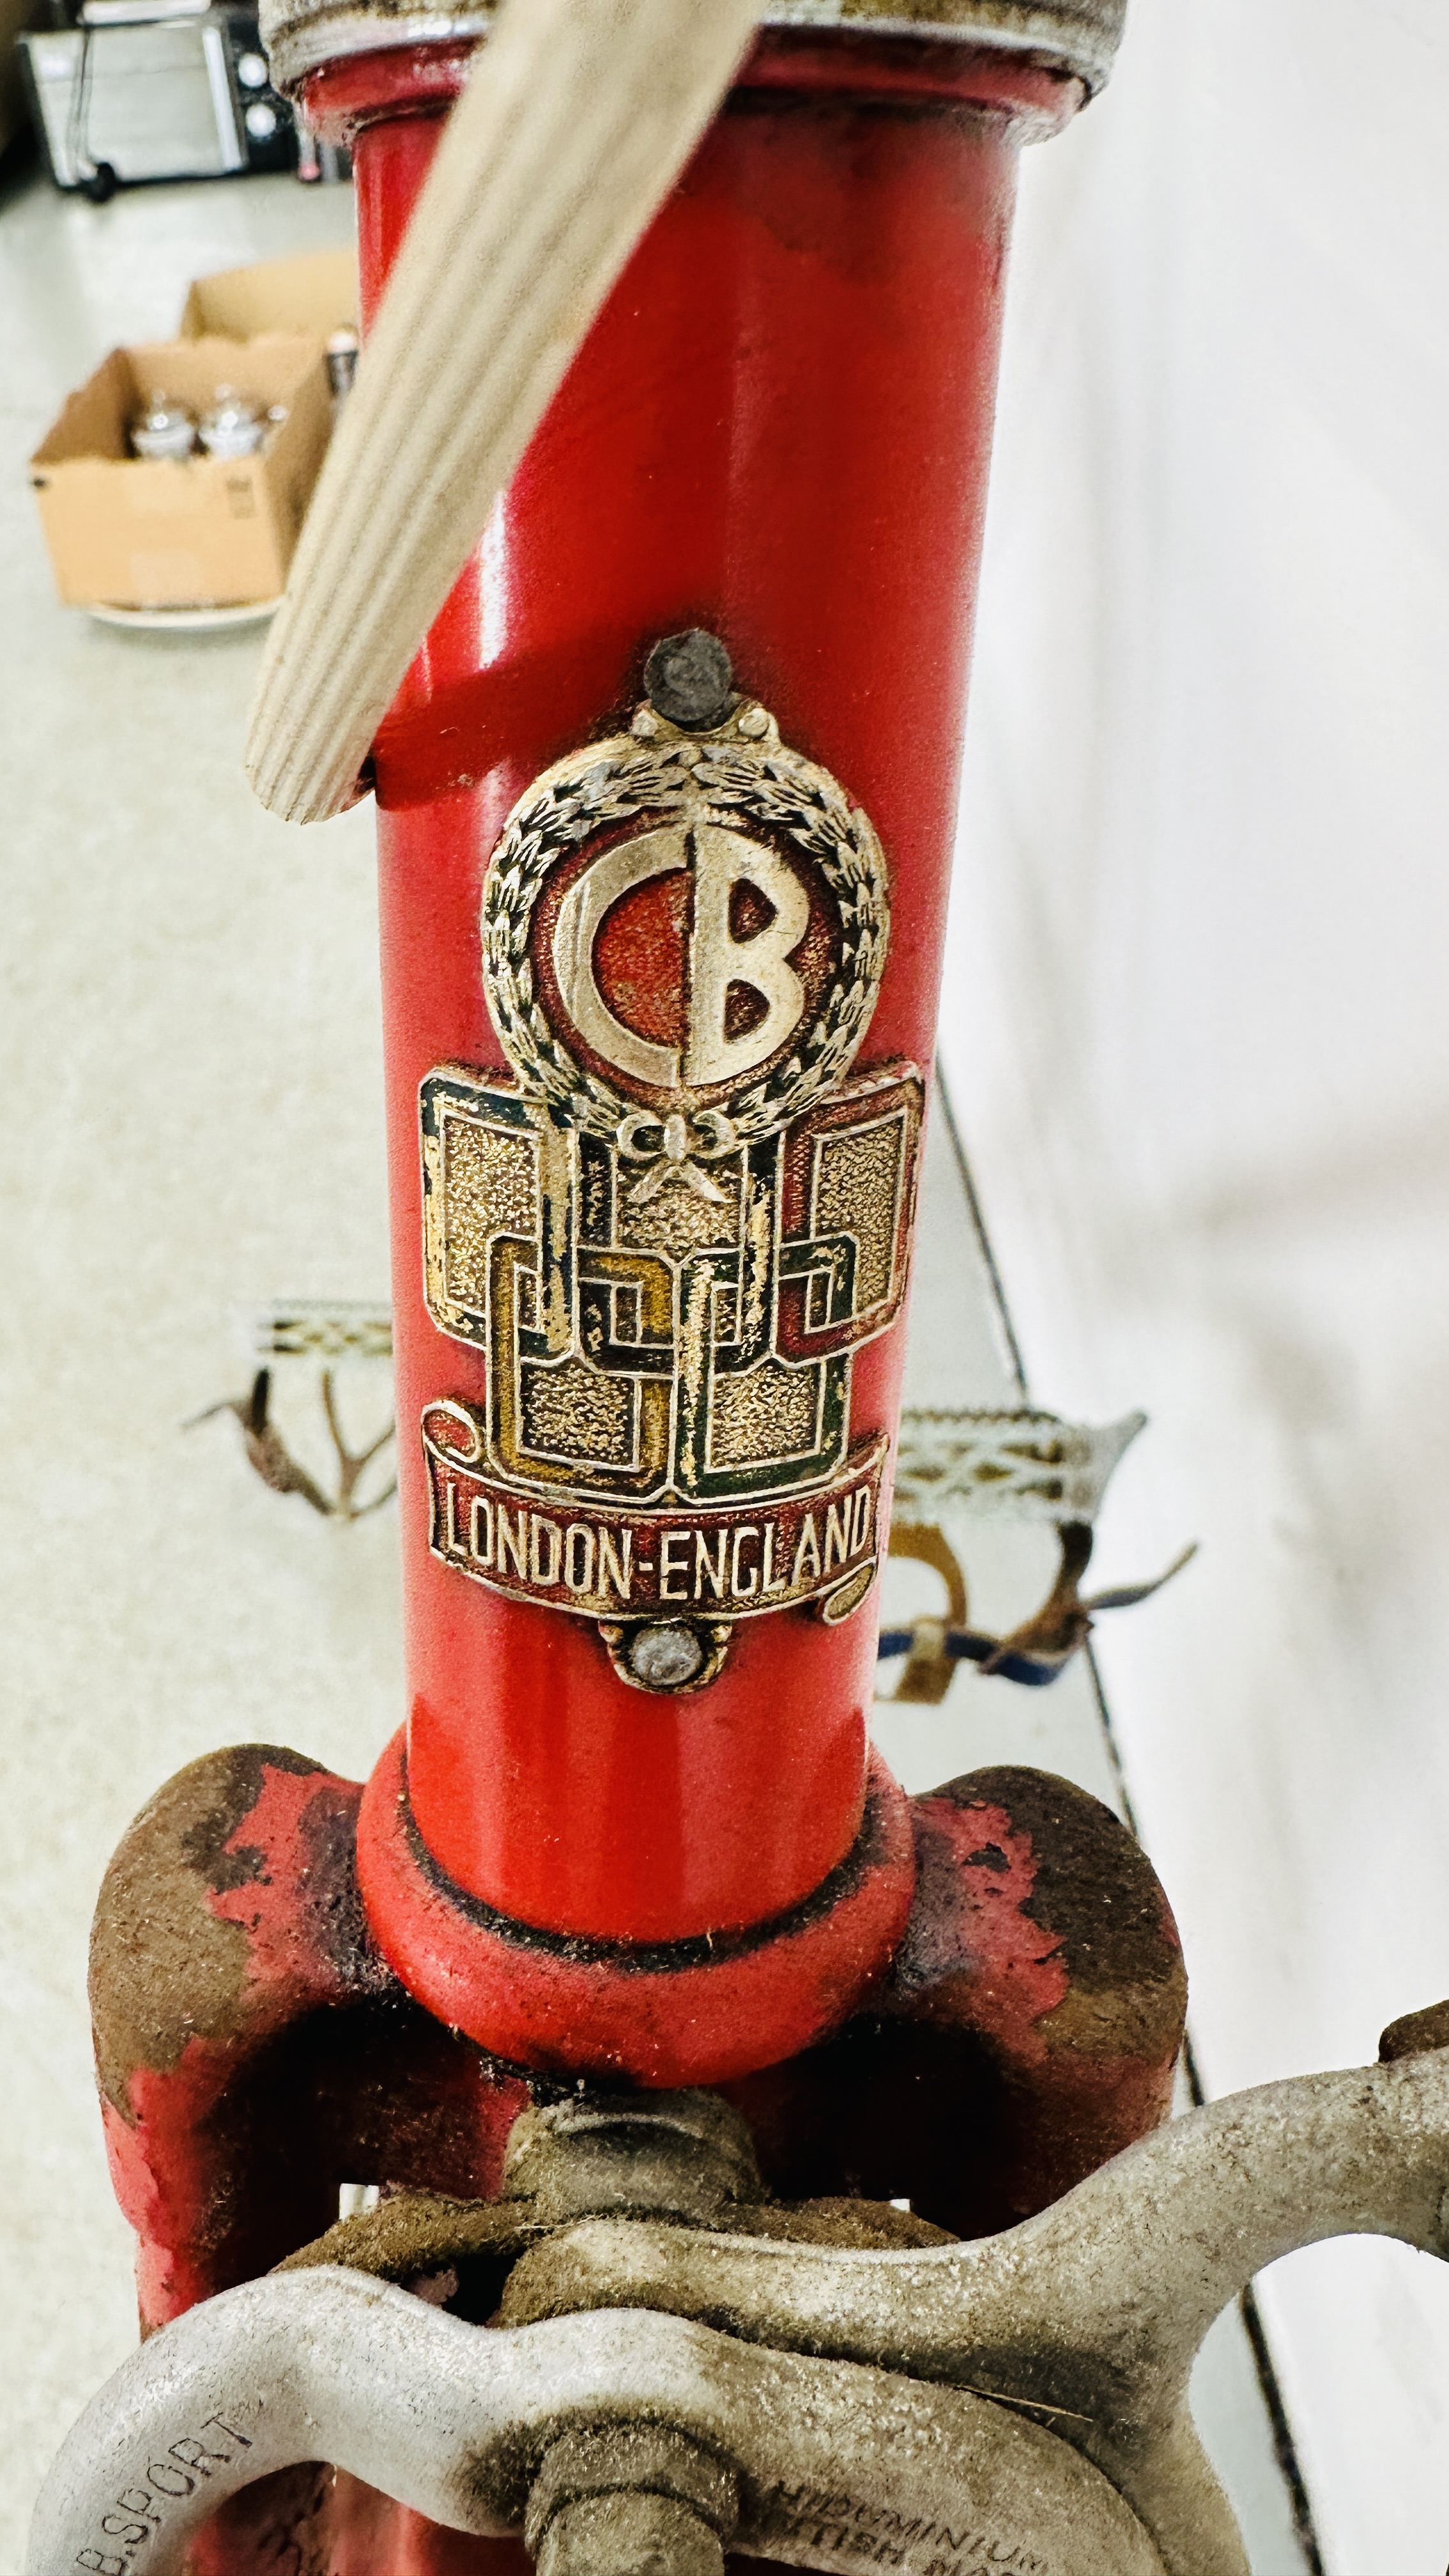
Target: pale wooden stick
{"x":577,"y":119}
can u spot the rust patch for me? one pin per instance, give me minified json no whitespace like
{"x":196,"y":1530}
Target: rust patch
{"x":1099,"y":1901}
{"x":1143,"y":2021}
{"x":419,"y":2232}
{"x":1414,"y":2032}
{"x":1096,"y":1890}
{"x":862,"y":2226}
{"x":332,"y":1907}
{"x":164,"y":1967}
{"x":459,"y":2254}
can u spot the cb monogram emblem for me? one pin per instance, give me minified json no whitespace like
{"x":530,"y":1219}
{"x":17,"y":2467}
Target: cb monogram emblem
{"x":677,"y":1221}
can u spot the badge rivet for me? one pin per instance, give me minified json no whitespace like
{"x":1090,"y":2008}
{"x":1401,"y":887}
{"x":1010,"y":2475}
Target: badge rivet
{"x":665,"y":1658}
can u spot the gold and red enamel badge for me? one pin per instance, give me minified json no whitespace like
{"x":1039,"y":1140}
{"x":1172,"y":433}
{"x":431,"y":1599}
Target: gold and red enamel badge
{"x":674,"y":1225}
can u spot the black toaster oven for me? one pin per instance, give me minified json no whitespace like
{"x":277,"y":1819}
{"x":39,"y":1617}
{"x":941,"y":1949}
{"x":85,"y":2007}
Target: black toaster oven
{"x":137,"y":90}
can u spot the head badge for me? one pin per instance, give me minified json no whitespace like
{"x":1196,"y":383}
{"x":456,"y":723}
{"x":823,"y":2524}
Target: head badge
{"x":673,"y":1226}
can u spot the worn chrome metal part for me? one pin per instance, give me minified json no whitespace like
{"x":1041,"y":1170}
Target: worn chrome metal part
{"x":1092,"y":2312}
{"x":617,"y":2498}
{"x":1021,"y":1465}
{"x":677,"y":2155}
{"x":459,"y":2422}
{"x":1018,"y":2401}
{"x":1080,"y":37}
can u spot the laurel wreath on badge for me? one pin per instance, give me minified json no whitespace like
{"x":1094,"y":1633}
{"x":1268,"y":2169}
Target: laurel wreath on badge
{"x":611,"y":783}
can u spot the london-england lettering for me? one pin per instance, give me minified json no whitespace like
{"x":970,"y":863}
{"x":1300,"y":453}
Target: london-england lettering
{"x":610,"y":1565}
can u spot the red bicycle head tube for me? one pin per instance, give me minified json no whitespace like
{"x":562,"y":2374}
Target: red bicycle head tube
{"x":666,"y":808}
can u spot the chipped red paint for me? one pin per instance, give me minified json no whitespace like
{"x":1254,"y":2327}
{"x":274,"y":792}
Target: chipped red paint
{"x":275,"y":1848}
{"x":981,"y":1956}
{"x":1029,"y":2027}
{"x":1044,"y":1932}
{"x":247,"y":2074}
{"x":162,"y":2145}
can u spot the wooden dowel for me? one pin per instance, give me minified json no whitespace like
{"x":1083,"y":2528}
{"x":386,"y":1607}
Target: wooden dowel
{"x":577,"y":119}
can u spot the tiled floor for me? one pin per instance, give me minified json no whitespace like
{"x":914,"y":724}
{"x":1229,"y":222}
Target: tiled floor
{"x":191,"y":1123}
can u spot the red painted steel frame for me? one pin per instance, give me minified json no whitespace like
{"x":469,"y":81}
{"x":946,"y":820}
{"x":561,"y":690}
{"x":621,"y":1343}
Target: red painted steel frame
{"x":778,"y":429}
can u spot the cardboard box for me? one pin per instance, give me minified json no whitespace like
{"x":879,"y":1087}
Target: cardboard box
{"x":130,"y":532}
{"x":316,"y":292}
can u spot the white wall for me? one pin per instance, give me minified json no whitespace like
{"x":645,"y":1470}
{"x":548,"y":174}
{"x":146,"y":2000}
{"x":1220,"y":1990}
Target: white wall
{"x":1197,"y":1033}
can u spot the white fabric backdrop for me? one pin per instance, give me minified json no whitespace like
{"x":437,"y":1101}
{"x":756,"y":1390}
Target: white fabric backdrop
{"x":1196,"y":1028}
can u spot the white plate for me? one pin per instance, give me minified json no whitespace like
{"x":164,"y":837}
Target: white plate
{"x":187,"y":621}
